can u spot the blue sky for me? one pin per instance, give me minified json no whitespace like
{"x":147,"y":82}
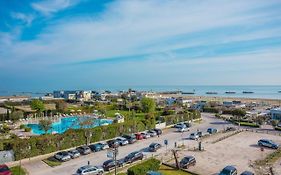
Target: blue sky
{"x":83,"y":44}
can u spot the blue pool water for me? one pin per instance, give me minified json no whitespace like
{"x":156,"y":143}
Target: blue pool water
{"x":69,"y":123}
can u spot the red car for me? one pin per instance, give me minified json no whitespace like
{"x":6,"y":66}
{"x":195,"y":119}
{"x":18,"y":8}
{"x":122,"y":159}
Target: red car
{"x":139,"y":136}
{"x":4,"y":170}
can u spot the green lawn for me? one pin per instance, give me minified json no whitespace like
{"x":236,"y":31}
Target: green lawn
{"x":16,"y":170}
{"x":165,"y":170}
{"x":52,"y":162}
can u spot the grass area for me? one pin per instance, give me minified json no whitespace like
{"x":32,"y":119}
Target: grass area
{"x":111,"y":114}
{"x":17,"y":170}
{"x":52,"y":162}
{"x":165,"y":170}
{"x":249,"y":124}
{"x":270,"y":159}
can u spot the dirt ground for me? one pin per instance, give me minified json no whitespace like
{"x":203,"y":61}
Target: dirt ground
{"x":239,"y":150}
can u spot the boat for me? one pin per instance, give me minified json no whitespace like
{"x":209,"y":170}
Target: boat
{"x":248,"y":92}
{"x":230,"y":92}
{"x":188,"y":92}
{"x":279,"y":91}
{"x":211,"y":93}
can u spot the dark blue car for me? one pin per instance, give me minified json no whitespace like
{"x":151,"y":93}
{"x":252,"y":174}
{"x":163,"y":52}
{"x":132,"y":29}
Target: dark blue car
{"x":96,"y":147}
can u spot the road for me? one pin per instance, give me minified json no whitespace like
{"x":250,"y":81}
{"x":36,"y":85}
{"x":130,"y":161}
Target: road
{"x":70,"y":167}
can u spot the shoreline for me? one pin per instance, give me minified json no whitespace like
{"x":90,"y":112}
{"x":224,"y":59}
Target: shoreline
{"x":219,"y":98}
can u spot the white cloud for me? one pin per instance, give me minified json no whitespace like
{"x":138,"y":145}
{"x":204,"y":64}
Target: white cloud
{"x":52,"y":6}
{"x":136,"y":27}
{"x":25,"y":18}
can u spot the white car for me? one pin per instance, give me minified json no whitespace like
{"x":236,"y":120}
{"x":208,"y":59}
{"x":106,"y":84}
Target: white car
{"x":194,"y":136}
{"x":62,"y":156}
{"x":183,"y":129}
{"x":122,"y":141}
{"x":145,"y":135}
{"x":179,"y":125}
{"x":89,"y":170}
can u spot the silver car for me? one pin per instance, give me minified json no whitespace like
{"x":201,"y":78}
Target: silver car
{"x":74,"y":153}
{"x":89,"y":170}
{"x":62,"y":156}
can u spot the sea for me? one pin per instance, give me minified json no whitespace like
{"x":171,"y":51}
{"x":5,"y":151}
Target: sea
{"x":265,"y":92}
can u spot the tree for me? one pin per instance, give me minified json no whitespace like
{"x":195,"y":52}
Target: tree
{"x":37,"y":105}
{"x":45,"y":125}
{"x":274,"y":123}
{"x":16,"y":115}
{"x":148,"y":105}
{"x":61,"y":106}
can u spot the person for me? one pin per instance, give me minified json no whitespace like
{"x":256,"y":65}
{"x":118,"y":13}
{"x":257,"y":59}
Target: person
{"x":175,"y":144}
{"x":88,"y":162}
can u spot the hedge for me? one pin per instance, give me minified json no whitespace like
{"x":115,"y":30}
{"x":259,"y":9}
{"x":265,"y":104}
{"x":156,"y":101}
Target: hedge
{"x":143,"y":168}
{"x":248,"y":124}
{"x":278,"y":128}
{"x":173,"y":119}
{"x":44,"y":144}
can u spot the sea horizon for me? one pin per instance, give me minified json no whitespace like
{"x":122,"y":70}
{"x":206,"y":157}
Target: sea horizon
{"x":257,"y":91}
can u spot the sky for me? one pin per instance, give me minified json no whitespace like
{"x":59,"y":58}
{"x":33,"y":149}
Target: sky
{"x":83,"y":44}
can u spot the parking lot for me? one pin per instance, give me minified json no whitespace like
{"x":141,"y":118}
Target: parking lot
{"x":239,"y":150}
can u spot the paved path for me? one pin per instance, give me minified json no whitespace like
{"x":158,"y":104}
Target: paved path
{"x":70,"y":167}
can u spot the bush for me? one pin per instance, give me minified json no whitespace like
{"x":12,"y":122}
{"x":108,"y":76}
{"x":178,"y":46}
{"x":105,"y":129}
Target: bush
{"x":248,"y":124}
{"x":211,"y":110}
{"x":22,"y":126}
{"x":16,"y":170}
{"x":143,"y":168}
{"x":27,"y":129}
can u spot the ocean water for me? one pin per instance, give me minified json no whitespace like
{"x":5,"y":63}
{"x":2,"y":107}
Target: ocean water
{"x":66,"y":123}
{"x":268,"y":92}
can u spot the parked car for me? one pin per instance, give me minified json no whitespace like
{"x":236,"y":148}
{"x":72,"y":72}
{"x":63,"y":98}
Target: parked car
{"x":96,"y":147}
{"x":268,"y":143}
{"x":179,"y":125}
{"x":104,"y":145}
{"x":247,"y":173}
{"x":194,"y":136}
{"x":139,"y":136}
{"x":187,"y":161}
{"x":152,"y":133}
{"x":4,"y":170}
{"x":113,"y":143}
{"x":74,"y":153}
{"x":230,"y":129}
{"x":122,"y":141}
{"x":228,"y":170}
{"x":199,"y":133}
{"x":84,"y":150}
{"x":183,"y":129}
{"x":110,"y":164}
{"x":145,"y":135}
{"x":131,"y":138}
{"x":62,"y":156}
{"x":212,"y":130}
{"x":89,"y":170}
{"x":134,"y":156}
{"x":153,"y":147}
{"x":187,"y":124}
{"x":158,"y":131}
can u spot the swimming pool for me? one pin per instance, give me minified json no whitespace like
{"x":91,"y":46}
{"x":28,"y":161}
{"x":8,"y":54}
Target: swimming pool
{"x":70,"y":123}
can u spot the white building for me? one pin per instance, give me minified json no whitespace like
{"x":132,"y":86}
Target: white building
{"x":275,"y":114}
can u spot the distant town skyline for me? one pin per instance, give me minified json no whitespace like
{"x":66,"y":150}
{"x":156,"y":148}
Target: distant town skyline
{"x":83,"y":44}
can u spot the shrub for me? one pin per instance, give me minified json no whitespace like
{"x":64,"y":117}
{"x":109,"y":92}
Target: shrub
{"x":26,"y":129}
{"x":22,"y":126}
{"x":249,"y":124}
{"x":143,"y":168}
